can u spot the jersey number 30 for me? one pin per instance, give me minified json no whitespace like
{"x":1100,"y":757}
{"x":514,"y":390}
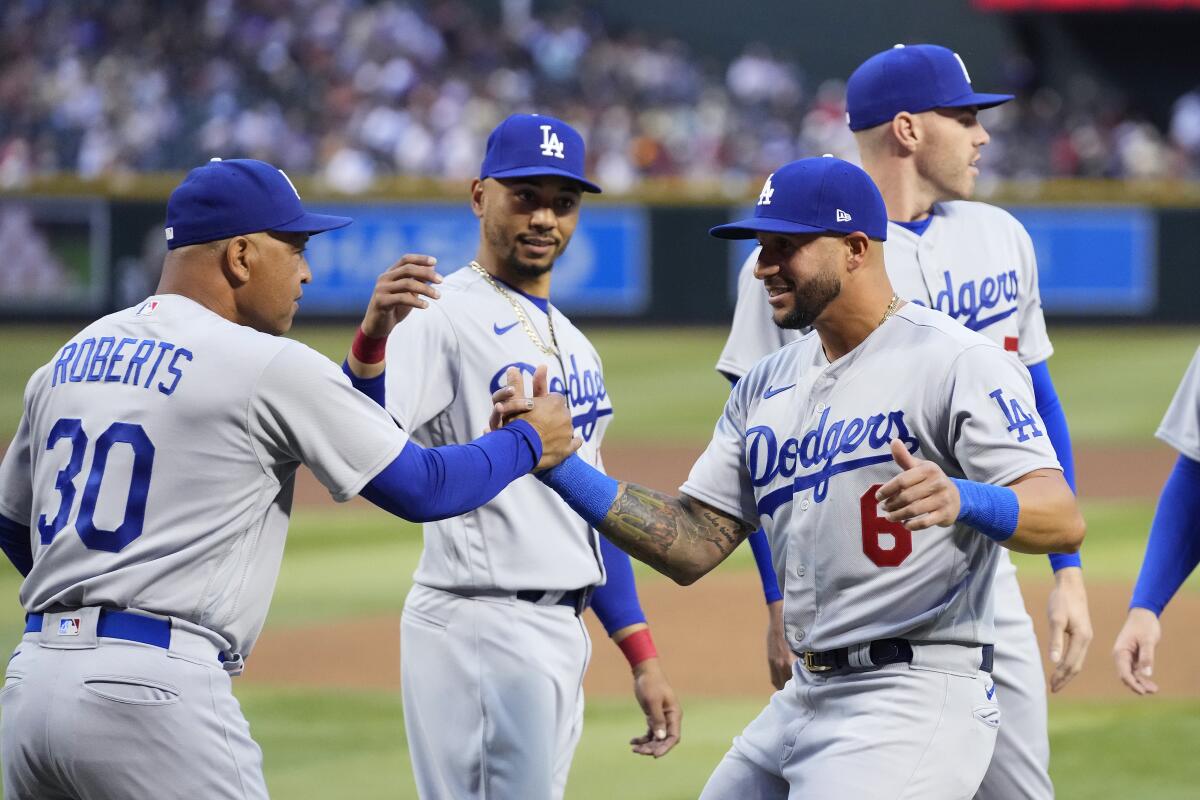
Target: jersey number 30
{"x":876,"y":530}
{"x":139,"y":484}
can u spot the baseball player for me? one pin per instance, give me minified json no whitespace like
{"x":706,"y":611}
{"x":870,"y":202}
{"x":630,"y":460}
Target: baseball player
{"x":1173,"y":550}
{"x":886,"y":455}
{"x":913,"y":111}
{"x":146,"y":498}
{"x":493,"y":650}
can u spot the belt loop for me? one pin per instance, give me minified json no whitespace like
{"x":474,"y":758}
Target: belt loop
{"x":859,"y":656}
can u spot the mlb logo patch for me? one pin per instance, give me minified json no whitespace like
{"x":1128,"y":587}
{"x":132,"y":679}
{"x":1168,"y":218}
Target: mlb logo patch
{"x":147,"y":308}
{"x":68,"y":626}
{"x":1010,"y":344}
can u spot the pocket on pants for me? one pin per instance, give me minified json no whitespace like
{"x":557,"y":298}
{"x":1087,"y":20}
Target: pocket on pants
{"x":131,"y":690}
{"x":11,"y":681}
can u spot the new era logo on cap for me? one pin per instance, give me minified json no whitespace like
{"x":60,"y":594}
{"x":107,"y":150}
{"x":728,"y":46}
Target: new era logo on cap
{"x":842,"y":216}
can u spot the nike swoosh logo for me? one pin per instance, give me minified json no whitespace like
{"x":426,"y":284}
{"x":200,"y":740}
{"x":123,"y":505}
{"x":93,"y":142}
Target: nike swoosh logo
{"x":769,"y":393}
{"x":501,"y":331}
{"x":991,"y":691}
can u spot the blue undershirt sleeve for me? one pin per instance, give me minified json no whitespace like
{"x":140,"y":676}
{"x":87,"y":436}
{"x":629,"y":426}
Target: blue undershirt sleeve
{"x":371,"y":387}
{"x":1051,"y":411}
{"x":15,"y":542}
{"x":766,"y":569}
{"x":761,"y":548}
{"x":424,"y":484}
{"x":1173,"y":549}
{"x":616,"y":602}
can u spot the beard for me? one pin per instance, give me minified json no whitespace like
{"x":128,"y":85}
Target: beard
{"x":810,"y":300}
{"x":500,"y":242}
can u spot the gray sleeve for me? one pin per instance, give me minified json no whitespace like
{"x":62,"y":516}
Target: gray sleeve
{"x":752,"y":334}
{"x":422,"y":366}
{"x":305,"y":410}
{"x":995,"y":433}
{"x":1180,"y":427}
{"x":16,"y":477}
{"x":1033,"y":342}
{"x":719,"y":477}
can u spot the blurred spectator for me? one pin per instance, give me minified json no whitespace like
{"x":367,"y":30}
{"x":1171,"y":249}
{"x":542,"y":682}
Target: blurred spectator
{"x":354,"y":90}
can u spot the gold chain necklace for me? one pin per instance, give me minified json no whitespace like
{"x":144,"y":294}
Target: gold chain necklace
{"x":891,"y":309}
{"x":522,"y":317}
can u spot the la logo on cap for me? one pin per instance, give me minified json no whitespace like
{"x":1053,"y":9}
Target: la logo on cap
{"x":764,"y":197}
{"x":551,"y":144}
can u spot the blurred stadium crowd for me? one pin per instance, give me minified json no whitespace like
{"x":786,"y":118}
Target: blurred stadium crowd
{"x":350,"y":91}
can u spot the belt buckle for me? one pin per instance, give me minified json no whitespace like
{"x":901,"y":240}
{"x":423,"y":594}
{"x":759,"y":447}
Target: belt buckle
{"x":810,"y":663}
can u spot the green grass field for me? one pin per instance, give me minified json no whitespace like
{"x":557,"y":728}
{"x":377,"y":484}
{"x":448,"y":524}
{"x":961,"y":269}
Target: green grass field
{"x":344,"y":561}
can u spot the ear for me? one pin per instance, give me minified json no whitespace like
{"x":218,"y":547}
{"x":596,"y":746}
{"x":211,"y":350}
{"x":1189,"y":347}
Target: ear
{"x":857,"y":246}
{"x":906,"y":131}
{"x":477,"y":196}
{"x":236,"y":260}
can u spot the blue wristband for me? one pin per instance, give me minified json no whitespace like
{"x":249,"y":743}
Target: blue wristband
{"x":991,"y":510}
{"x":587,"y":490}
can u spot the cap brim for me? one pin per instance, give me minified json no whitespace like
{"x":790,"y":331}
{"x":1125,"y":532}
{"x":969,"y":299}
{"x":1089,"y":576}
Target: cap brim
{"x":749,"y":228}
{"x":313,"y":223}
{"x":978,"y":99}
{"x":529,"y":172}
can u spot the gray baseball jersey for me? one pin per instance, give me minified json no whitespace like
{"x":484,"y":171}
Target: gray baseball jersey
{"x":155,"y":461}
{"x":1180,"y":427}
{"x":461,"y":347}
{"x":803,"y":445}
{"x":974,"y":262}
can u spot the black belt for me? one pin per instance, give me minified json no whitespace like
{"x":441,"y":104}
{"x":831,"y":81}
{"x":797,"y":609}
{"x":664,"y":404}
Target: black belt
{"x":882,"y":652}
{"x":576,"y":599}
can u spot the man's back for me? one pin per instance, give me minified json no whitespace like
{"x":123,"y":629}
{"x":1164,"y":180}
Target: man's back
{"x":163,"y":441}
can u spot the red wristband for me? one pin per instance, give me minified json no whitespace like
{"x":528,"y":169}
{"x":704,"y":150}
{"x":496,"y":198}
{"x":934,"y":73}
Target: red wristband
{"x":368,"y":349}
{"x":638,"y":647}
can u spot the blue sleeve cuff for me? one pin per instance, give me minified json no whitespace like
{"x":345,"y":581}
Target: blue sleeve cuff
{"x":372,"y":387}
{"x":588,"y":491}
{"x":1173,"y":549}
{"x":16,"y":543}
{"x":992,"y":510}
{"x":616,"y":602}
{"x":766,"y":568}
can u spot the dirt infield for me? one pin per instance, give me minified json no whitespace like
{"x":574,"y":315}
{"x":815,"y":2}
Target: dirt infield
{"x":711,"y":634}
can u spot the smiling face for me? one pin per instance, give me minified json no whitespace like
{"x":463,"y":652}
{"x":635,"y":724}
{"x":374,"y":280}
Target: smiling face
{"x":269,"y":300}
{"x":801,"y":275}
{"x":948,"y":152}
{"x":526,"y":222}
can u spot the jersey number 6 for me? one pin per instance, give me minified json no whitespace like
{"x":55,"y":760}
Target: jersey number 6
{"x":875,"y":528}
{"x":139,"y":484}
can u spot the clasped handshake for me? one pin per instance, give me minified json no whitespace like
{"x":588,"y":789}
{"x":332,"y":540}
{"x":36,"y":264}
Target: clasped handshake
{"x":546,"y":411}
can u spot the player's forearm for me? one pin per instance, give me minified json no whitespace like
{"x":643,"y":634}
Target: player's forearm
{"x":678,"y":536}
{"x":1049,"y":520}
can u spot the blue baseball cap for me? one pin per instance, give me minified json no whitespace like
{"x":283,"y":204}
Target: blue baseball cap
{"x":531,"y":144}
{"x":237,"y":196}
{"x":814,"y":195}
{"x":911,"y":78}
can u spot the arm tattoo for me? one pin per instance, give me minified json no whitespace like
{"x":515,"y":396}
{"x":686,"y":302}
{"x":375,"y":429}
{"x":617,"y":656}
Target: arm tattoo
{"x":671,"y":534}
